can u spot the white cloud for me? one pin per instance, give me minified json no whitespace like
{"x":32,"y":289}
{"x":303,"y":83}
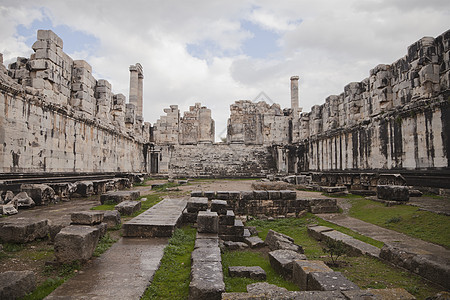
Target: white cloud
{"x":327,"y":43}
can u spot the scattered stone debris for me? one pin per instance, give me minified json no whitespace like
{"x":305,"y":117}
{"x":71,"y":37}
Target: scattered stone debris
{"x":248,"y":272}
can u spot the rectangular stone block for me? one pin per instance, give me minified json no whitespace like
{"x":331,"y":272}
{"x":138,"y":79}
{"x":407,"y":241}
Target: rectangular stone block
{"x":128,"y":207}
{"x":329,"y":281}
{"x":381,"y":294}
{"x":283,"y":261}
{"x":219,"y":206}
{"x":247,"y":195}
{"x":41,"y":194}
{"x":234,"y":195}
{"x":255,"y":272}
{"x":393,"y":192}
{"x":207,"y":222}
{"x":288,"y":195}
{"x":206,"y":254}
{"x":316,"y":231}
{"x":196,"y":204}
{"x":111,"y":218}
{"x":227,"y":219}
{"x":209,"y":194}
{"x":260,"y":195}
{"x":197,"y":194}
{"x":89,"y":217}
{"x":23,"y":230}
{"x":16,"y":284}
{"x":274,"y":195}
{"x":206,"y":242}
{"x":302,"y":268}
{"x":206,"y":281}
{"x":119,"y":196}
{"x":76,"y":242}
{"x":223,"y":195}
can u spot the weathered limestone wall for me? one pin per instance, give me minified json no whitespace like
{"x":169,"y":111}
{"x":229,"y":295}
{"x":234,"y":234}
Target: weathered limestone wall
{"x":56,"y":117}
{"x":398,"y":118}
{"x":195,"y":127}
{"x":258,"y":124}
{"x":220,"y":160}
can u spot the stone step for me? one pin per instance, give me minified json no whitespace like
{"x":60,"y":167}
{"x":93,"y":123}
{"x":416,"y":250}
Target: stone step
{"x":158,"y":221}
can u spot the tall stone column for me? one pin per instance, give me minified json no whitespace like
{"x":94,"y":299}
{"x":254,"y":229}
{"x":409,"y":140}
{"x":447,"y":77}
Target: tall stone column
{"x":136,"y":87}
{"x":294,"y":95}
{"x":140,"y":98}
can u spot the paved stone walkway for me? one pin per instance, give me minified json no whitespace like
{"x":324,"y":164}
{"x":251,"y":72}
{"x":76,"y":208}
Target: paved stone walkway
{"x":127,"y":268}
{"x":123,"y":272}
{"x":158,"y":221}
{"x":434,"y":252}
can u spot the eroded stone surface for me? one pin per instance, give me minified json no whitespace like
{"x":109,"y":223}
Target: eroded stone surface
{"x":23,"y":230}
{"x":283,"y":261}
{"x":249,"y":272}
{"x":329,"y":281}
{"x":302,"y":268}
{"x":89,"y":217}
{"x":76,"y":242}
{"x":128,"y":208}
{"x":16,"y":284}
{"x":207,"y":222}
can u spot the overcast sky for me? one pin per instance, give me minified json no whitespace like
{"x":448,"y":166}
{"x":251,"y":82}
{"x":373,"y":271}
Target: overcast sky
{"x":217,"y":52}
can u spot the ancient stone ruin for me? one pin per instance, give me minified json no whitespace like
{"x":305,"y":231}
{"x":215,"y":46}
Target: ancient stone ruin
{"x":64,"y":132}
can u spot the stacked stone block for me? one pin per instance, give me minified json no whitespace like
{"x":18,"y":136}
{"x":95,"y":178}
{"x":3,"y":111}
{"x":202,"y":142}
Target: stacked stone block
{"x":206,"y":270}
{"x":83,"y":85}
{"x":104,"y":100}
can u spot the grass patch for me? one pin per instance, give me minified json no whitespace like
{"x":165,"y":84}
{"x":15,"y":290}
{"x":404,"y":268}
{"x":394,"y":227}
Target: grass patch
{"x":407,"y":219}
{"x":171,"y":280}
{"x":108,"y":205}
{"x":347,"y":196}
{"x":151,"y":200}
{"x":364,"y":271}
{"x":104,"y":244}
{"x":367,"y":272}
{"x":64,"y":272}
{"x":44,"y":289}
{"x":165,"y":186}
{"x":249,"y":258}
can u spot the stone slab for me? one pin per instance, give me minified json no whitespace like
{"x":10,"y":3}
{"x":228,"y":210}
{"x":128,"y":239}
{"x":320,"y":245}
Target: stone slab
{"x":277,"y":241}
{"x":219,"y":206}
{"x":227,"y":219}
{"x":378,"y":294}
{"x":158,"y":221}
{"x":88,"y":217}
{"x":122,"y":272}
{"x":119,"y":196}
{"x":206,"y":254}
{"x":206,"y":243}
{"x":16,"y":284}
{"x":254,"y":242}
{"x":329,"y":281}
{"x":316,"y":231}
{"x":283,"y":261}
{"x":206,"y":281}
{"x":196,"y":204}
{"x":23,"y":230}
{"x":128,"y":208}
{"x":255,"y":272}
{"x":302,"y":269}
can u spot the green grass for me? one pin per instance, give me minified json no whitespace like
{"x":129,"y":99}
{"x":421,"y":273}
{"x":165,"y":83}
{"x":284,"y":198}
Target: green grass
{"x":104,"y":244}
{"x":165,"y":186}
{"x":407,"y":219}
{"x":64,"y":272}
{"x":45,"y":288}
{"x":293,"y":227}
{"x":249,"y":258}
{"x":365,"y":271}
{"x":171,"y":280}
{"x":151,"y":200}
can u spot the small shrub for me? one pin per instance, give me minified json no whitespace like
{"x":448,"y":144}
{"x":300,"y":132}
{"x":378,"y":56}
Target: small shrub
{"x":335,"y":249}
{"x":394,"y":220}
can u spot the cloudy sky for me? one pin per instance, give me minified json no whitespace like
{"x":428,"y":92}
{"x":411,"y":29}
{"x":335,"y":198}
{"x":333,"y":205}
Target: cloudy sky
{"x":217,"y":52}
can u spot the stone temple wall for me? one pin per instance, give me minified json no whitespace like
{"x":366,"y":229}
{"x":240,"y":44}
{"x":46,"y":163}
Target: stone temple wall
{"x":56,"y":117}
{"x":398,"y":118}
{"x":195,"y":127}
{"x":220,"y":160}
